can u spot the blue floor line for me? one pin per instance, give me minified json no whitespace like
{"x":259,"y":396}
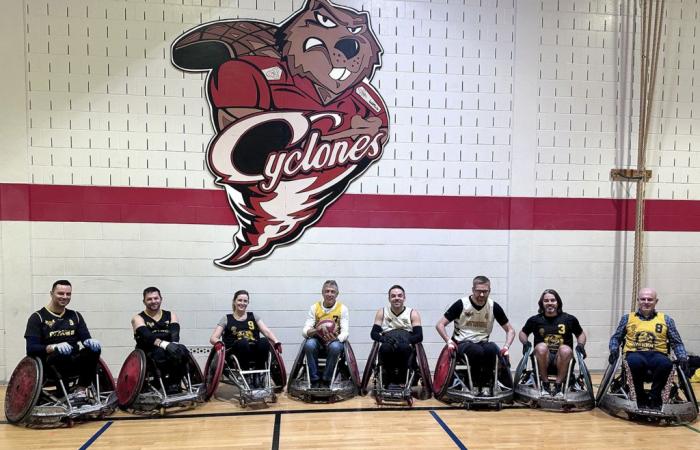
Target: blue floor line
{"x":449,"y":432}
{"x":96,"y":435}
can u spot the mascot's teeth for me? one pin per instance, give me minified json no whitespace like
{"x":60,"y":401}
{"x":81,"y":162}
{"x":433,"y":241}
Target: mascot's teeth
{"x":339,"y":73}
{"x":312,"y":42}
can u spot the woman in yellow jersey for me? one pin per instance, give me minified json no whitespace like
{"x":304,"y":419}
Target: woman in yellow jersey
{"x":327,"y":309}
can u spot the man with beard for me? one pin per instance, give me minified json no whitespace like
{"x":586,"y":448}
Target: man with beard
{"x":157,"y":333}
{"x":552,"y":329}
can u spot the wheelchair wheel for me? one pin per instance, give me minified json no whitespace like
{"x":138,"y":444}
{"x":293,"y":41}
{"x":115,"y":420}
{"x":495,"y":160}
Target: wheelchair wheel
{"x":298,"y":364}
{"x":586,"y":376}
{"x":606,"y":381}
{"x":444,"y":369}
{"x":24,"y":389}
{"x":131,"y":378}
{"x":195,"y":371}
{"x":213,"y":369}
{"x":105,"y":376}
{"x":278,"y":372}
{"x":352,"y":364}
{"x":424,"y":370}
{"x":369,"y":368}
{"x":687,"y":388}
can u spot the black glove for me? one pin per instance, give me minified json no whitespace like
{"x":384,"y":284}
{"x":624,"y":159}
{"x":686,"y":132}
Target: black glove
{"x":527,"y":347}
{"x":176,"y":349}
{"x":581,"y":350}
{"x":612,"y":358}
{"x":683,"y":365}
{"x":278,"y":347}
{"x":390,"y":341}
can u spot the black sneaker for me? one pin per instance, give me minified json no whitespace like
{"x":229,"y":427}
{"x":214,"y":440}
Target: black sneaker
{"x":315,"y":384}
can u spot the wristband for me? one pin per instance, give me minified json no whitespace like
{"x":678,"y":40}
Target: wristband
{"x":163,"y":344}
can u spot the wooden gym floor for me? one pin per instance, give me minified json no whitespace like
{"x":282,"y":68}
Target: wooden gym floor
{"x":354,"y":424}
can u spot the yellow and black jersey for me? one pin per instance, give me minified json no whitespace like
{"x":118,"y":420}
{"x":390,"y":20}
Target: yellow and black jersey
{"x":646,"y":335}
{"x":240,"y":329}
{"x":52,"y":328}
{"x":160,"y":328}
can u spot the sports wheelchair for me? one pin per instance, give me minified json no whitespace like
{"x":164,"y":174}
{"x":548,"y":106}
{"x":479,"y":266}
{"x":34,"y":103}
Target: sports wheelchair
{"x":344,"y":383}
{"x":39,"y":396}
{"x":418,"y":382}
{"x":453,"y":382}
{"x":616,"y":396}
{"x":270,"y":380}
{"x":141,"y":387}
{"x":577,"y":388}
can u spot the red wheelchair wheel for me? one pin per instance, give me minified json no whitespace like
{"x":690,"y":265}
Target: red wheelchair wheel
{"x":213,"y":369}
{"x":352,"y":364}
{"x":278,"y":372}
{"x":105,"y":376}
{"x":24,"y":389}
{"x":424,"y":370}
{"x":444,"y":369}
{"x":131,"y":378}
{"x":369,"y":368}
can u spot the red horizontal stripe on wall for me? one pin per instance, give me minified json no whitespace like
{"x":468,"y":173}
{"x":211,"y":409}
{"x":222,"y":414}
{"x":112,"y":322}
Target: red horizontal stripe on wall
{"x":37,"y":202}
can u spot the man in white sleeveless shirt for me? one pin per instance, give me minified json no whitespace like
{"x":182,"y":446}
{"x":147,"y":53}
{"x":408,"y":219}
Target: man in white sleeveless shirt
{"x":398,"y":328}
{"x":473,"y":318}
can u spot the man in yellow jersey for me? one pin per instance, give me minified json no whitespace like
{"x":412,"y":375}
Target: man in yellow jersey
{"x":647,"y":334}
{"x":328,"y":308}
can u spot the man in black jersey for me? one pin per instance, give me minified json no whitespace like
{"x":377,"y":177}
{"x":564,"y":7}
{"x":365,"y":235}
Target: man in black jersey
{"x":473,"y":318}
{"x":157,"y":333}
{"x":53,"y":334}
{"x":552,"y":330}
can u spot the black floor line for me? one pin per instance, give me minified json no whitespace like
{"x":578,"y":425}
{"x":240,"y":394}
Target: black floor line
{"x":276,"y":432}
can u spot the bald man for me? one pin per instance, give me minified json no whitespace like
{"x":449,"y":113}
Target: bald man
{"x":647,"y":334}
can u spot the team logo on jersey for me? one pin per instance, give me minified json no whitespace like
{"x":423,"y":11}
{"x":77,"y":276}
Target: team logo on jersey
{"x":295,"y":115}
{"x":50,"y":323}
{"x":70,"y":322}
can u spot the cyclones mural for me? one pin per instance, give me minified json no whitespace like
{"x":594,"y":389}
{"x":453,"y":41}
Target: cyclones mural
{"x":295,"y":115}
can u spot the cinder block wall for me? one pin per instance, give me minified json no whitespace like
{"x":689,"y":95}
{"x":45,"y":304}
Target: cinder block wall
{"x":486,"y":99}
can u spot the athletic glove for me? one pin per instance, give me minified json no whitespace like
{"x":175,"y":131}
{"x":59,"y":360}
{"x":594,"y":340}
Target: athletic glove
{"x":612,"y":358}
{"x":683,"y":365}
{"x":92,"y":344}
{"x":278,"y":347}
{"x":64,"y":348}
{"x":527,"y":347}
{"x":581,"y":350}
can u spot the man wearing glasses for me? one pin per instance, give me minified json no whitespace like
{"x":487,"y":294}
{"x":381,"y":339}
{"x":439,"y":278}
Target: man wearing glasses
{"x":473,"y":319}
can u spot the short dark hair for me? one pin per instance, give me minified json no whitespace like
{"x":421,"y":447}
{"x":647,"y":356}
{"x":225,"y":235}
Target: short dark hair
{"x":150,"y":290}
{"x":239,"y":292}
{"x":61,"y":282}
{"x":560,"y":304}
{"x":480,"y":279}
{"x":396,"y":286}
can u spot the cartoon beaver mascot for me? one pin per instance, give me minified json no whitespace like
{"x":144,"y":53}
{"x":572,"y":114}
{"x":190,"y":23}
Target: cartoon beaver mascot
{"x":295,"y":115}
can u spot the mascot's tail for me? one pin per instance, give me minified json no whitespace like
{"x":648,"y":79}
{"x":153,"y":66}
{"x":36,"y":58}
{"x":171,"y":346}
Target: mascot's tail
{"x":210,"y":45}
